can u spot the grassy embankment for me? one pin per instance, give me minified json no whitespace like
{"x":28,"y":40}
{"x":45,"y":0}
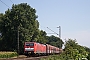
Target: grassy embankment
{"x":7,"y":54}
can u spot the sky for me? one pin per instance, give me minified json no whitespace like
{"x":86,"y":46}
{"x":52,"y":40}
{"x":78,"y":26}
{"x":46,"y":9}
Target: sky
{"x":73,"y":16}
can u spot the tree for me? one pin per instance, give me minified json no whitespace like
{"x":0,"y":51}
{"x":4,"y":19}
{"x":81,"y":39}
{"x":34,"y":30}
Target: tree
{"x":55,"y":41}
{"x":75,"y":51}
{"x":70,"y":43}
{"x":88,"y":50}
{"x":42,"y":37}
{"x":21,"y":17}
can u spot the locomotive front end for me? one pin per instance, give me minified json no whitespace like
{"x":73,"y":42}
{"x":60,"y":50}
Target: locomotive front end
{"x":29,"y":48}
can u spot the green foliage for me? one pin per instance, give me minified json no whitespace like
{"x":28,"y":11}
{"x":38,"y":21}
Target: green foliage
{"x":55,"y":41}
{"x":7,"y":54}
{"x":72,"y":51}
{"x":75,"y":51}
{"x":21,"y":16}
{"x":88,"y":57}
{"x":42,"y":37}
{"x":70,"y":43}
{"x":88,"y":50}
{"x":53,"y":57}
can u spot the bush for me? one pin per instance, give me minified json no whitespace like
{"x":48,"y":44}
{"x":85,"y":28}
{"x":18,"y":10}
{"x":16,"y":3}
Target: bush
{"x":52,"y":57}
{"x":7,"y":54}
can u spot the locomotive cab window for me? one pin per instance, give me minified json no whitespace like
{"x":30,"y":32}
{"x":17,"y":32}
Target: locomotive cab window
{"x":29,"y":44}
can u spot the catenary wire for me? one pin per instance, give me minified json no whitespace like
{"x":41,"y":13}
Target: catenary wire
{"x":4,"y":3}
{"x":11,"y":1}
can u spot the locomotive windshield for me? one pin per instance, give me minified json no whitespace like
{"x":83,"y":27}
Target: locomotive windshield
{"x":29,"y":44}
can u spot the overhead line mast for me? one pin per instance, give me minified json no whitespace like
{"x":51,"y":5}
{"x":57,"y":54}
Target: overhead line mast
{"x":59,"y":31}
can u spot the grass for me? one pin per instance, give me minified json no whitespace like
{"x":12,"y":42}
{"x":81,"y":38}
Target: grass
{"x":52,"y":57}
{"x":7,"y":54}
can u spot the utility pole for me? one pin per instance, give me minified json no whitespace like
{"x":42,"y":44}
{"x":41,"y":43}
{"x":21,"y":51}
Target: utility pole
{"x":18,"y":39}
{"x":17,"y":15}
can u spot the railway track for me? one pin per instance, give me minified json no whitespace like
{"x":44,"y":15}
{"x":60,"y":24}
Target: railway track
{"x":25,"y":58}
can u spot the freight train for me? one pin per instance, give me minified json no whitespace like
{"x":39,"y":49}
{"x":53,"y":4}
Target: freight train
{"x":34,"y":48}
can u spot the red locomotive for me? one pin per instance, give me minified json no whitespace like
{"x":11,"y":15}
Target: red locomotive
{"x":33,"y":48}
